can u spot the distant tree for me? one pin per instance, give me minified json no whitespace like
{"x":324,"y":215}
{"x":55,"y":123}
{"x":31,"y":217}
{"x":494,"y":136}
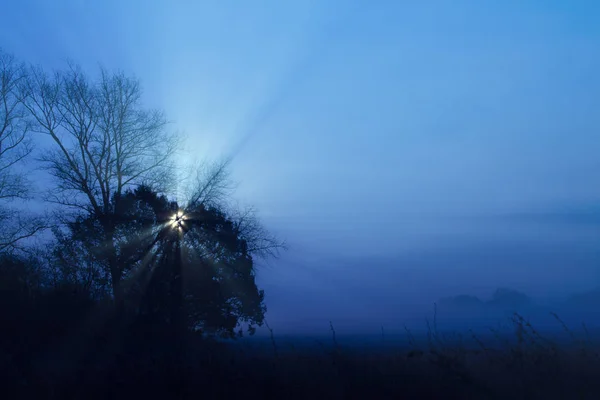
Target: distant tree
{"x":104,"y":140}
{"x":463,"y":300}
{"x":15,"y":146}
{"x":509,"y":298}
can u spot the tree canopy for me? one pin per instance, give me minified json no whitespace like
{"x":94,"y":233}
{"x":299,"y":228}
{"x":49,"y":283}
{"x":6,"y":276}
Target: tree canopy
{"x":112,"y":163}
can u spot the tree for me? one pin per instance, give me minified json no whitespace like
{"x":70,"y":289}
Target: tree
{"x":509,"y":298}
{"x":15,"y":146}
{"x":105,"y":142}
{"x":218,"y":291}
{"x":218,"y":274}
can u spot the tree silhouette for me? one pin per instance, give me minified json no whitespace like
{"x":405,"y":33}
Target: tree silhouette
{"x":15,"y":147}
{"x":509,"y":298}
{"x":104,"y":141}
{"x":200,"y":270}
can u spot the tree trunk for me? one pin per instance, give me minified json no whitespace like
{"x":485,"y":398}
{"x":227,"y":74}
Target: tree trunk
{"x":176,"y":287}
{"x":116,"y":272}
{"x":177,"y":315}
{"x":117,"y":288}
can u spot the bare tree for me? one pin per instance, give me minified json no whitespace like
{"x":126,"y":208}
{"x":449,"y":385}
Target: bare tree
{"x":104,"y":141}
{"x":260,"y":241}
{"x":15,"y":146}
{"x":211,"y":186}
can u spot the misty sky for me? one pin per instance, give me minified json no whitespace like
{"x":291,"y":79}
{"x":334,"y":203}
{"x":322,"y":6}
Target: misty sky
{"x":404,"y":149}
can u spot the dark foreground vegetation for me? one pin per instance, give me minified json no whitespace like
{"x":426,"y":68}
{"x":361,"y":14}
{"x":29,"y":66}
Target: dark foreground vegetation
{"x":59,"y":343}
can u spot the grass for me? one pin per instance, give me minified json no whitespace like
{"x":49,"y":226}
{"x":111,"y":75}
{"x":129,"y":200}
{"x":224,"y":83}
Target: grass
{"x":526,"y":365}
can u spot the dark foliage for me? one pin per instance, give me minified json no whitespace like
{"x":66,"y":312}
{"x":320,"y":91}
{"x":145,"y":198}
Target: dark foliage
{"x":219,"y":292}
{"x":59,"y":341}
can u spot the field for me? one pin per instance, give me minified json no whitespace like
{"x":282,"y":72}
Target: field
{"x":147,"y":363}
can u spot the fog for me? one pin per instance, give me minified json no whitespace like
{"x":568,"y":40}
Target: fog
{"x":549,"y":258}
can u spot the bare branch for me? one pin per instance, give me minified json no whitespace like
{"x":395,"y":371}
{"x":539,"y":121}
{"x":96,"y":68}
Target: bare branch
{"x":212,"y":187}
{"x":105,"y":141}
{"x":211,"y":184}
{"x":15,"y":144}
{"x":16,"y":227}
{"x":260,"y":241}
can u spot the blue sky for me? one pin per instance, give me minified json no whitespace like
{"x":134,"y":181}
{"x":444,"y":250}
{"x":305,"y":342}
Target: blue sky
{"x":367,"y":133}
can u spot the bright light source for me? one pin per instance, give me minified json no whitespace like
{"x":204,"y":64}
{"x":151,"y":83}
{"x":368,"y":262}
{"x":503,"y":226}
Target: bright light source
{"x":177,"y":220}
